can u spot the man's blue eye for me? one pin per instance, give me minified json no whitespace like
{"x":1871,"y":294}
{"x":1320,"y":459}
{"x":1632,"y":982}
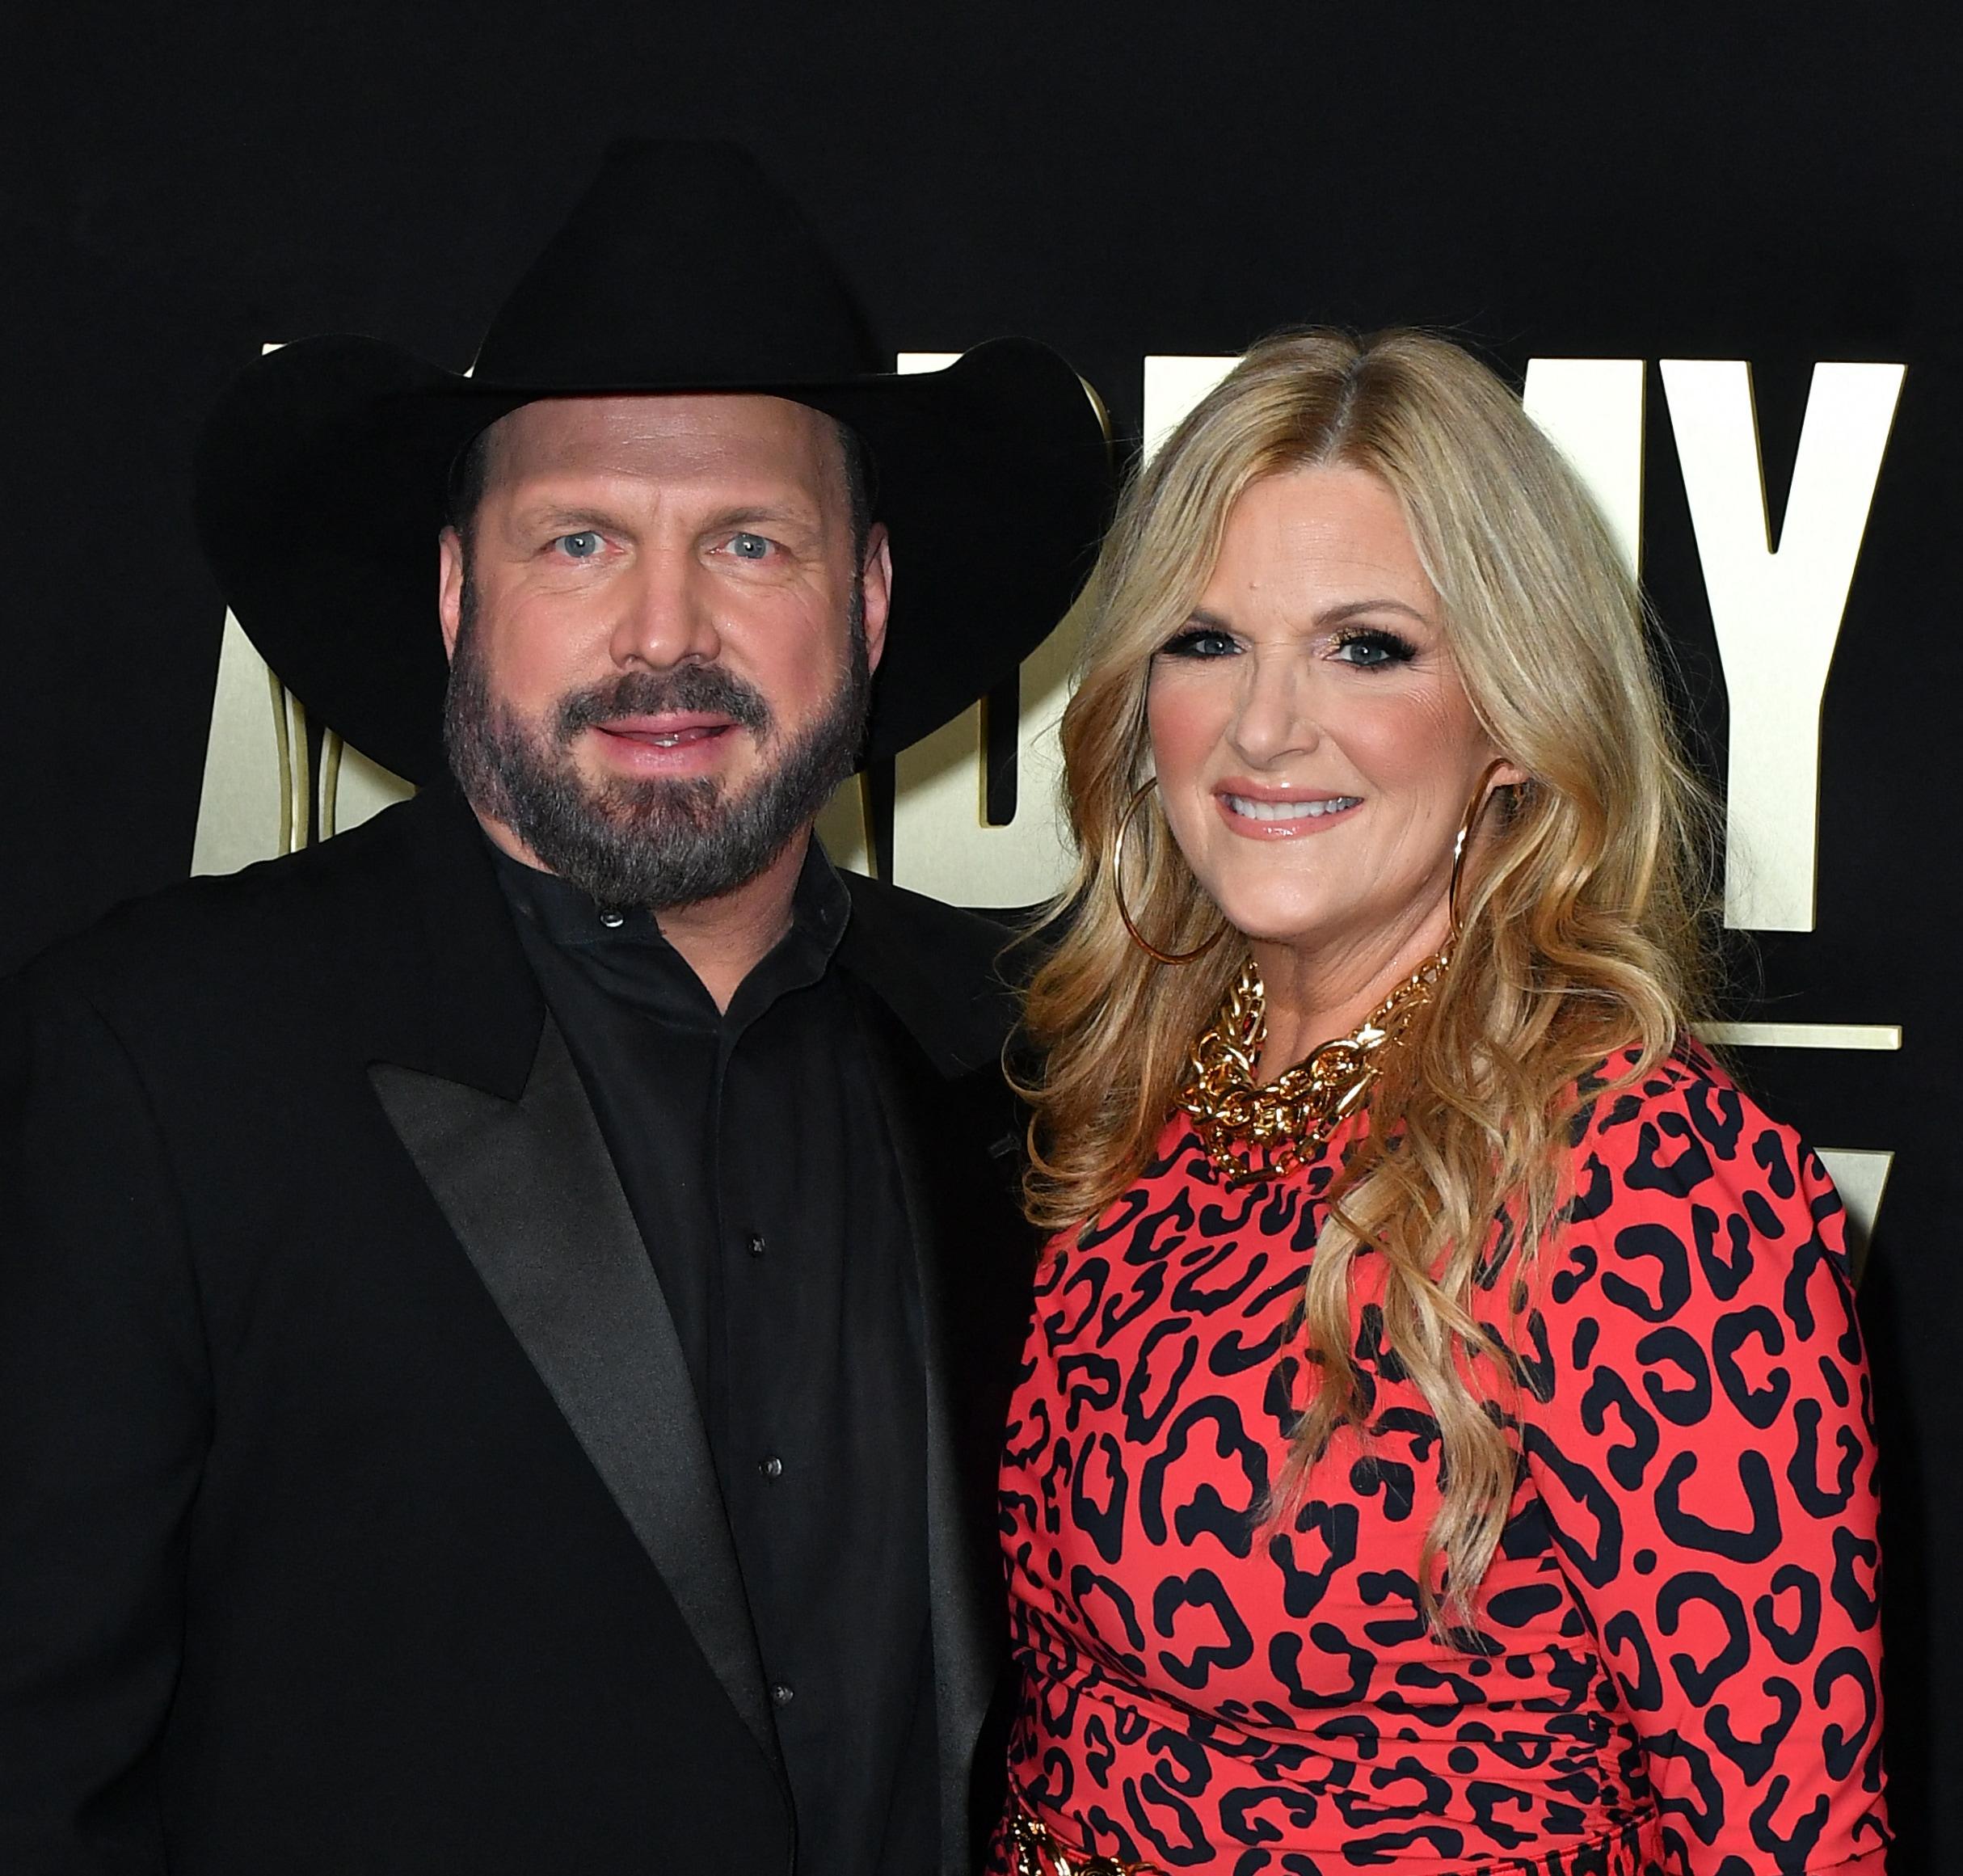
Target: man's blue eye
{"x":583,"y":545}
{"x":749,"y":546}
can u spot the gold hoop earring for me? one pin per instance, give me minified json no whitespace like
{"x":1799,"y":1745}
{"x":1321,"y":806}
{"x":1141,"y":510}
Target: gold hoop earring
{"x":1118,"y":890}
{"x":1483,"y":792}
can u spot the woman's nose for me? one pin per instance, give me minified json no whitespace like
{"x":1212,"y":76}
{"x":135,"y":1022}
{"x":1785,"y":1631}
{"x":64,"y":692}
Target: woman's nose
{"x":1277,"y":716}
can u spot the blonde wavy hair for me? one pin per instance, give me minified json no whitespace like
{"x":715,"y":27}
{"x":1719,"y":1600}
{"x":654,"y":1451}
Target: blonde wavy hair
{"x":1585,"y":916}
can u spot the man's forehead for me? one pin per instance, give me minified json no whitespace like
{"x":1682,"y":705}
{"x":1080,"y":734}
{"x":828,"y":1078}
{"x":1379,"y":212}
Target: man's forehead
{"x":665,"y":434}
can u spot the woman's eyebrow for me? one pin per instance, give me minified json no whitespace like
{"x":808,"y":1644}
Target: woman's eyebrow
{"x":1335,"y":615}
{"x":1352,"y":608}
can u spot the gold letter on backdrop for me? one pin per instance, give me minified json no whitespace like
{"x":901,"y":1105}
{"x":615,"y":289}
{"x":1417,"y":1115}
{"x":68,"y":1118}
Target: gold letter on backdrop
{"x":1591,"y":409}
{"x":1777,"y":611}
{"x":261,"y":797}
{"x":1172,"y":386}
{"x":943,"y":843}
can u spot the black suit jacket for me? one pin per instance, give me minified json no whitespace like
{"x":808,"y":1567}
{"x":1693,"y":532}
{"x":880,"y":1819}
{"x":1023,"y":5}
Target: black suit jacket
{"x":356,"y":1512}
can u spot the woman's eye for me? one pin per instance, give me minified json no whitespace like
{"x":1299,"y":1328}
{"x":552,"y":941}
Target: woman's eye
{"x":1372,"y":651}
{"x":583,"y":545}
{"x":749,"y":546}
{"x":1199,"y":642}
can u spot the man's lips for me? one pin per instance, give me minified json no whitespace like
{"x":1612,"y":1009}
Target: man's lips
{"x":1282,"y":814}
{"x":672,"y":729}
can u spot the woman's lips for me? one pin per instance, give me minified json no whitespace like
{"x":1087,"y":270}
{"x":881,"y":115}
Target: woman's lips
{"x":1282,"y":818}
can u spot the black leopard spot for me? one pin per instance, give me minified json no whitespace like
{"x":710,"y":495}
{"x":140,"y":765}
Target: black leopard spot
{"x":1753,"y":1545}
{"x":1628,"y":1461}
{"x":1336,"y":1527}
{"x":1755,"y":1757}
{"x":1762,"y":1406}
{"x":1726,"y":1275}
{"x":1769,"y":1151}
{"x":1142,"y":1421}
{"x":1101,"y":1519}
{"x":1863,"y":1609}
{"x":1679,"y":1176}
{"x":1684,"y":1406}
{"x":1700,"y":1682}
{"x":1659,"y":1242}
{"x":1803,"y":1473}
{"x":1641,"y":1685}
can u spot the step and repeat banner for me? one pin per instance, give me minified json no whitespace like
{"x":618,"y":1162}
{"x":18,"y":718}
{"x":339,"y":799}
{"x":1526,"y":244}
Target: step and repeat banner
{"x":272,"y":783}
{"x":1723,"y":264}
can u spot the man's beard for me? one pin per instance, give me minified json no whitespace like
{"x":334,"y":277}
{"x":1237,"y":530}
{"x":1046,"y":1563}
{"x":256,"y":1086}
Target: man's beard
{"x":660,"y":844}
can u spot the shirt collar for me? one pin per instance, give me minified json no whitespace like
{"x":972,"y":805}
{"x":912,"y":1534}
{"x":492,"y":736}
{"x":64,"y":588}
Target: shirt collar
{"x":622,"y":946}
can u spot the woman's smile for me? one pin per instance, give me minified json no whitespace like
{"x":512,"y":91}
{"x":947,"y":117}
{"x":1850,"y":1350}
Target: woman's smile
{"x":1257,"y":815}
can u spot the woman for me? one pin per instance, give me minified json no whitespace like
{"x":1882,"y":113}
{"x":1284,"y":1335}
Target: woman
{"x":1445,"y":1448}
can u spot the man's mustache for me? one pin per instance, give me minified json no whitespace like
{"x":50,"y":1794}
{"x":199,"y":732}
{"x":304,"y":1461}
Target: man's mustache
{"x":692,"y":687}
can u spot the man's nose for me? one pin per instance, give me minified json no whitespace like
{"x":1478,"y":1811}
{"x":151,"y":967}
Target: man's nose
{"x":666,"y":614}
{"x":1277,"y":716}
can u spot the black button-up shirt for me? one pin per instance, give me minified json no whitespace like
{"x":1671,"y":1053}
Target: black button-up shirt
{"x":753,"y":1152}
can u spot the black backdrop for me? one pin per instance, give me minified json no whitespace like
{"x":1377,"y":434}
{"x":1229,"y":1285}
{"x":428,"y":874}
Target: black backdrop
{"x":1634,"y":182}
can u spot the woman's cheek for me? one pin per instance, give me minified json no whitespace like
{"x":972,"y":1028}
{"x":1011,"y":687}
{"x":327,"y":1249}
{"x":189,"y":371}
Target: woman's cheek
{"x":1187,"y":718}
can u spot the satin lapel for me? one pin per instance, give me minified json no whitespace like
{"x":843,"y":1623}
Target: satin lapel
{"x":530,"y":1190}
{"x":954,"y":1143}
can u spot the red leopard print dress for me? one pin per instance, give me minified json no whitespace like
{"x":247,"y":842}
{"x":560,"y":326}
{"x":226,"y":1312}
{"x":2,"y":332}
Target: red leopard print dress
{"x":1675,"y":1662}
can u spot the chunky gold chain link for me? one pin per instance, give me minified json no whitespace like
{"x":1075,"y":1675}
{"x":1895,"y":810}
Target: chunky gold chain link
{"x":1286,"y":1121}
{"x":1038,"y":1853}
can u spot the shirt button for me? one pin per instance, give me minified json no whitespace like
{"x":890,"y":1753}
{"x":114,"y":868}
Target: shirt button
{"x":756,"y":1244}
{"x":613,"y":920}
{"x":770,"y":1466}
{"x":780,"y":1694}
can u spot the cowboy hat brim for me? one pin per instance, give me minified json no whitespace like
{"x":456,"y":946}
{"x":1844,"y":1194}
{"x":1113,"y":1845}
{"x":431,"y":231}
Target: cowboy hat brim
{"x":321,"y":485}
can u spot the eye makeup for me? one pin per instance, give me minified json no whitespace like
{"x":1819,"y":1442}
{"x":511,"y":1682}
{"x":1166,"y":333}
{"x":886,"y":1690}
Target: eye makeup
{"x":1198,"y":642}
{"x":1381,"y":648}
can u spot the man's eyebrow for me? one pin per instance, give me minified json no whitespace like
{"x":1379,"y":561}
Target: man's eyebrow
{"x":598,"y":514}
{"x":569,"y":517}
{"x":768,"y":514}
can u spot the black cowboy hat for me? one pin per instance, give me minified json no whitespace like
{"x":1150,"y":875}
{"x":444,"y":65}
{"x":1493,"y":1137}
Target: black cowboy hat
{"x":321,"y":477}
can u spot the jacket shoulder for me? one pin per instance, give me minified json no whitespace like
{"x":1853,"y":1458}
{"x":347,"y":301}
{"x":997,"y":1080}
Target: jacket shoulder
{"x":227,"y":929}
{"x":965,"y":940}
{"x":948,"y":975}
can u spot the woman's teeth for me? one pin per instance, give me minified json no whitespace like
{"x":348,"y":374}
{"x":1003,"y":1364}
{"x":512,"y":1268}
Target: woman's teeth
{"x":1290,"y":810}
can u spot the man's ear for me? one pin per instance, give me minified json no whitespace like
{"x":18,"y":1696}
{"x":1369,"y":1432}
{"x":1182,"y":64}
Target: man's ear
{"x":876,"y":584}
{"x":449,"y":587}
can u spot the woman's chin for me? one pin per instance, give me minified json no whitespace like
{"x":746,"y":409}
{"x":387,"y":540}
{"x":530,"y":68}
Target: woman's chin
{"x":1264,"y":922}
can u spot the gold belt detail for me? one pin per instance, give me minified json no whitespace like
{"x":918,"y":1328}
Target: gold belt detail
{"x":1038,"y":1853}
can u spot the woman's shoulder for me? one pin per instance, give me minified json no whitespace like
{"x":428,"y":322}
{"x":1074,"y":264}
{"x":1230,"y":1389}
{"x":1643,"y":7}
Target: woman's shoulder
{"x":1677,"y":1163}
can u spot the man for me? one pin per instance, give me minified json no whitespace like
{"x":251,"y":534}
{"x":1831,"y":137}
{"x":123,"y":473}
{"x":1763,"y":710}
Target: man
{"x":504,"y":1318}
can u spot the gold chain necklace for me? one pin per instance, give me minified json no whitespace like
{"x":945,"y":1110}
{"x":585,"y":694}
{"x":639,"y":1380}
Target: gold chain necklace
{"x":1286,"y":1121}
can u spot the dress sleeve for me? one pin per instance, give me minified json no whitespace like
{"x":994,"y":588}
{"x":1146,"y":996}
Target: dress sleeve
{"x":1699,"y":1429}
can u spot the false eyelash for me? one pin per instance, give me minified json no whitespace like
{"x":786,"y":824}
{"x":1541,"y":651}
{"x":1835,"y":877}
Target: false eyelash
{"x":1399,"y":649}
{"x":1181,"y":643}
